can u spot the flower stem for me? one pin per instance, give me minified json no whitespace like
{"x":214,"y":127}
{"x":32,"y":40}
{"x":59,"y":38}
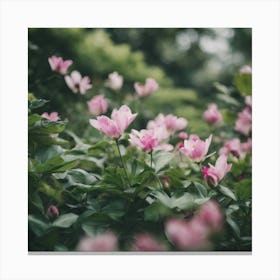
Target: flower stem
{"x":123,"y":165}
{"x":151,"y":153}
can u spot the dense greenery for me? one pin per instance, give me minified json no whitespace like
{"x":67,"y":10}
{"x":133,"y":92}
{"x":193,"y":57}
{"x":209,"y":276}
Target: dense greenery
{"x":79,"y":170}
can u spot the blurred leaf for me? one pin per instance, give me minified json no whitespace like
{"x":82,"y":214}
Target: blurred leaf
{"x":161,"y":159}
{"x":65,"y":221}
{"x":227,"y":192}
{"x":201,"y":189}
{"x":156,"y":211}
{"x":38,"y":225}
{"x":243,"y":82}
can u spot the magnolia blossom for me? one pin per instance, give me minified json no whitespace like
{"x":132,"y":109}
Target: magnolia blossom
{"x":146,"y":242}
{"x":211,"y":215}
{"x":170,"y":122}
{"x":59,"y":65}
{"x":104,"y":242}
{"x":195,"y":148}
{"x":187,"y":235}
{"x":214,"y":174}
{"x":77,"y":83}
{"x":143,"y":90}
{"x":243,"y":123}
{"x":115,"y":81}
{"x":212,"y":114}
{"x":114,"y":127}
{"x":246,"y":69}
{"x":232,"y":146}
{"x":98,"y":105}
{"x":53,"y":116}
{"x":52,"y":211}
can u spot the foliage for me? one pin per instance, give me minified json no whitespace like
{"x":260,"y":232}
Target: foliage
{"x":98,"y":186}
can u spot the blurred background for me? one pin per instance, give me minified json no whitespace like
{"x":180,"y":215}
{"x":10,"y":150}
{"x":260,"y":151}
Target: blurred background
{"x":185,"y":62}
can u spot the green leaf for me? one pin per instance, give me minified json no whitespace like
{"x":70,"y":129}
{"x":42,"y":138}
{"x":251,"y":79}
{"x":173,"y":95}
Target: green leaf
{"x":55,"y":164}
{"x":161,"y":159}
{"x":186,"y":201}
{"x":201,"y":189}
{"x":156,"y":211}
{"x":243,"y":83}
{"x":38,"y":225}
{"x":65,"y":221}
{"x":233,"y":226}
{"x":243,"y":189}
{"x":37,"y":103}
{"x":227,"y":192}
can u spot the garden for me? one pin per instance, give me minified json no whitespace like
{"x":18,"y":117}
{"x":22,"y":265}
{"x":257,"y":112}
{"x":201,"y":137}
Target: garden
{"x":139,"y":140}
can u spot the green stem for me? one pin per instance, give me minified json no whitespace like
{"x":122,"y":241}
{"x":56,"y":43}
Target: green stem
{"x":123,"y":165}
{"x":151,"y":158}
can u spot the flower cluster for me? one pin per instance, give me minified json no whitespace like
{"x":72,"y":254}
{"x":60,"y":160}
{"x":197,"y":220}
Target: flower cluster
{"x":193,"y":234}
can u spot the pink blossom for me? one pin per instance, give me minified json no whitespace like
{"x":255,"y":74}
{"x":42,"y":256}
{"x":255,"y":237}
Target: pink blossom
{"x":187,"y":235}
{"x":104,"y":242}
{"x":144,"y":139}
{"x":232,"y":146}
{"x":76,"y":83}
{"x":245,"y":69}
{"x":143,"y":90}
{"x":146,"y":242}
{"x":97,"y":105}
{"x":170,"y":122}
{"x":210,"y":214}
{"x":183,"y":135}
{"x":212,"y":114}
{"x":244,"y":122}
{"x":52,"y":211}
{"x":114,"y":127}
{"x":214,"y":174}
{"x":53,"y":116}
{"x":57,"y":64}
{"x":195,"y":148}
{"x":246,"y":147}
{"x":115,"y":81}
{"x":248,"y":101}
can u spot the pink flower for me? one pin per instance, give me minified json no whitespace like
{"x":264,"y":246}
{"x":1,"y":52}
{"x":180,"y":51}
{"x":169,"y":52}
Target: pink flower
{"x":143,"y":90}
{"x":53,"y":116}
{"x":104,"y":242}
{"x":115,"y":81}
{"x":183,"y":135}
{"x":210,"y":214}
{"x":144,"y":139}
{"x":57,"y":64}
{"x":97,"y":105}
{"x":187,"y":235}
{"x":145,"y":242}
{"x":212,"y":114}
{"x":52,"y":211}
{"x":195,"y":148}
{"x":244,"y":122}
{"x":247,"y":146}
{"x":170,"y":122}
{"x":248,"y":101}
{"x":232,"y":146}
{"x":214,"y":174}
{"x":114,"y":127}
{"x":246,"y":69}
{"x":76,"y":83}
